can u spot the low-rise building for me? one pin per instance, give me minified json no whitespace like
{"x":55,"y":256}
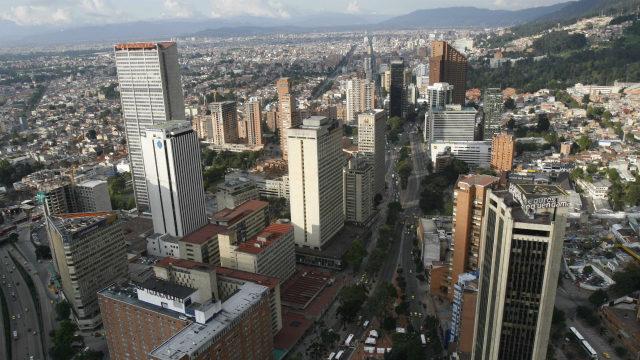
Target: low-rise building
{"x":246,"y":220}
{"x":474,"y":153}
{"x":202,"y":244}
{"x":235,"y":191}
{"x":161,"y":245}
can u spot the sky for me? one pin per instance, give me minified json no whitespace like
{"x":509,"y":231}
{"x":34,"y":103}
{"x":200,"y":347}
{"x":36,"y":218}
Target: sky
{"x":81,"y":12}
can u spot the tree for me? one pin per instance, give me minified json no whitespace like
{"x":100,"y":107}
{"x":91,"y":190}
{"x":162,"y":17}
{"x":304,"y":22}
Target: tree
{"x":587,"y":270}
{"x":91,"y":134}
{"x":63,"y":310}
{"x":585,"y":99}
{"x":351,"y":300}
{"x":598,"y":297}
{"x":388,"y":323}
{"x":355,"y":254}
{"x":543,"y":123}
{"x":584,"y":143}
{"x":406,"y":347}
{"x":626,"y":281}
{"x":62,"y":339}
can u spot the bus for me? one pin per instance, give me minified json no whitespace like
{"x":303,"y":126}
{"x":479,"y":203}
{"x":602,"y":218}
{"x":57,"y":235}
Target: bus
{"x":423,"y":340}
{"x":348,"y":341}
{"x":331,"y":356}
{"x":584,"y":344}
{"x":339,"y":354}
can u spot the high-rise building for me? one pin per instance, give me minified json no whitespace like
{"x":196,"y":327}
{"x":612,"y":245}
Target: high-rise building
{"x":520,"y":258}
{"x":371,"y":142}
{"x":253,"y":121}
{"x":397,"y":99}
{"x":450,"y":66}
{"x":439,"y":95}
{"x":224,"y":122}
{"x":174,"y":178}
{"x":151,"y":93}
{"x":503,"y":150}
{"x":468,"y":212}
{"x":452,"y":123}
{"x":492,"y":106}
{"x":315,"y":180}
{"x":271,"y":252}
{"x":463,"y":310}
{"x":370,"y":59}
{"x":162,"y":320}
{"x":90,"y":253}
{"x":357,"y":180}
{"x":286,"y":112}
{"x":92,"y":196}
{"x":360,"y":98}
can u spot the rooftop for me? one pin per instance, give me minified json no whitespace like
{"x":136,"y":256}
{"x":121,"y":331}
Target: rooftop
{"x":264,"y":280}
{"x":192,"y":339}
{"x":167,"y":288}
{"x":183,"y":263}
{"x":203,"y":234}
{"x":480,"y":180}
{"x":172,"y":127}
{"x":76,"y":224}
{"x":231,"y":216}
{"x":267,"y":237}
{"x":144,"y":45}
{"x":127,"y":293}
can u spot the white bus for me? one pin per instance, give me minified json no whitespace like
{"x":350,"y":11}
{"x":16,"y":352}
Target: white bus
{"x":339,"y":355}
{"x":348,"y":341}
{"x":331,"y":356}
{"x":423,"y":340}
{"x":593,"y":355}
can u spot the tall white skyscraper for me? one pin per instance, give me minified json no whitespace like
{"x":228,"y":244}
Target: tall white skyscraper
{"x":371,"y":142}
{"x":439,"y":95}
{"x":315,"y":180}
{"x":360,"y":98}
{"x":174,"y":178}
{"x":520,"y":256}
{"x":151,"y":93}
{"x":452,"y":123}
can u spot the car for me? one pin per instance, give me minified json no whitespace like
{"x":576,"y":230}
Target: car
{"x":606,"y":355}
{"x":13,"y":317}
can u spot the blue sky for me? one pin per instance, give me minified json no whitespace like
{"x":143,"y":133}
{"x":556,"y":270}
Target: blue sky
{"x":78,"y":12}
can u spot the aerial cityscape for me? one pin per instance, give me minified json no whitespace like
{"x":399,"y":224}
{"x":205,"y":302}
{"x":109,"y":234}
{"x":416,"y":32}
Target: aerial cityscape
{"x":346,"y":180}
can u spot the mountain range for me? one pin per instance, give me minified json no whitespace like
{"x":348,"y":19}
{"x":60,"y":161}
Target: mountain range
{"x":448,"y":17}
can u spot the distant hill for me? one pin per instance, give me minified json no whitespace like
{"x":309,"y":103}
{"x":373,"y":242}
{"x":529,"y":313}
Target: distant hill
{"x":468,"y":17}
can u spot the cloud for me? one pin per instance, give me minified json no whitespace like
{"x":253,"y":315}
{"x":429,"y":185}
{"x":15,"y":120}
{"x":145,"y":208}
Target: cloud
{"x":261,"y":8}
{"x":177,"y":8}
{"x":353,"y":7}
{"x":36,"y":15}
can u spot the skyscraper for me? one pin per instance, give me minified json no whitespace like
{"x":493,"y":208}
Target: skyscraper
{"x":439,"y":95}
{"x":370,"y":59}
{"x":492,"y":107}
{"x":448,"y":65}
{"x":174,"y":178}
{"x":520,"y":257}
{"x":360,"y":98}
{"x":468,"y":211}
{"x":253,"y":119}
{"x":224,"y":122}
{"x":397,"y":98}
{"x":286,"y":112}
{"x":503,"y":149}
{"x":90,"y":254}
{"x":151,"y":93}
{"x":452,"y":123}
{"x":358,"y":190}
{"x":371,"y":142}
{"x":315,"y":180}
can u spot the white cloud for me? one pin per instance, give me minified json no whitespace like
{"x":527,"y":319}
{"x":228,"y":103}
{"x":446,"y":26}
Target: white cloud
{"x":353,"y":7}
{"x":262,"y":8}
{"x":36,"y":15}
{"x":177,"y":8}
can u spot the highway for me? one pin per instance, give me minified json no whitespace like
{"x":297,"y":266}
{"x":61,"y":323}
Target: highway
{"x":21,"y":310}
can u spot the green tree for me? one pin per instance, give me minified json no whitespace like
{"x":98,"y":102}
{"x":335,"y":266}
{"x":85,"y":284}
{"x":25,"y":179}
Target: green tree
{"x":351,"y":299}
{"x":584,"y":143}
{"x":63,"y":310}
{"x":598,"y":297}
{"x":355,"y":254}
{"x":543,"y":123}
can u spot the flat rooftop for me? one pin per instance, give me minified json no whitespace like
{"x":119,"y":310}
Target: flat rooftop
{"x":203,"y":234}
{"x":264,"y":280}
{"x":167,"y":288}
{"x":127,"y":293}
{"x":74,"y":224}
{"x":183,"y":263}
{"x":144,"y":45}
{"x":195,"y":337}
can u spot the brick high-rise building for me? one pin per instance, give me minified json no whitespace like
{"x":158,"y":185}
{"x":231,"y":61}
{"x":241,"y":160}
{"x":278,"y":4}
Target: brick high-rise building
{"x":286,"y":112}
{"x":253,"y":122}
{"x":503,"y":150}
{"x":468,"y":210}
{"x":224,"y":122}
{"x":449,"y":66}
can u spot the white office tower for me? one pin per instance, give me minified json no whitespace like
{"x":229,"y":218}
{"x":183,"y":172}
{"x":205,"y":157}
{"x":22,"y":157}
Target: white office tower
{"x":151,"y":93}
{"x":371,"y":142}
{"x":357,"y":180}
{"x":360,"y":98}
{"x":452,"y":123}
{"x":520,"y":256}
{"x":315,"y":180}
{"x":439,"y":95}
{"x":174,"y":178}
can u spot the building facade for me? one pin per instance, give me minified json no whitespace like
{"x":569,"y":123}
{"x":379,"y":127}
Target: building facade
{"x":224,"y":123}
{"x":253,"y":121}
{"x":520,"y":258}
{"x":174,"y":178}
{"x":288,"y":117}
{"x":397,"y":98}
{"x":452,"y":123}
{"x":448,"y":65}
{"x":151,"y":93}
{"x":90,"y":253}
{"x":503,"y":151}
{"x":474,"y":153}
{"x":371,"y":142}
{"x":315,"y":180}
{"x":492,"y":106}
{"x":358,"y":181}
{"x":439,"y":95}
{"x":360,"y":98}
